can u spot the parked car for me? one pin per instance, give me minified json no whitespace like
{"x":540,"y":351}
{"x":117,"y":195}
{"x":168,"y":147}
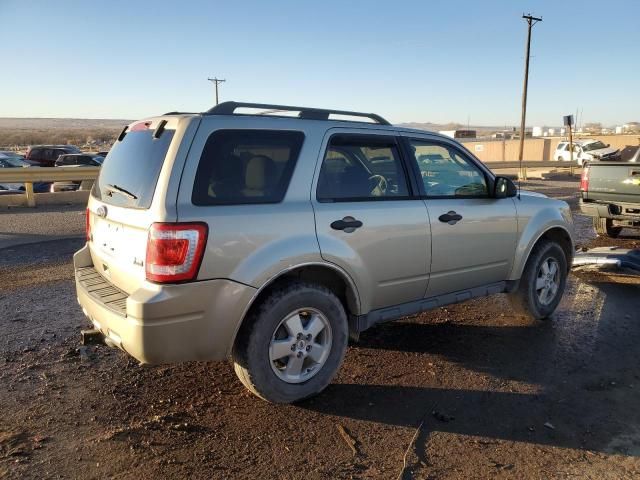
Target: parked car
{"x":7,"y":189}
{"x":11,"y":154}
{"x":46,"y":155}
{"x":584,"y":151}
{"x":79,"y":160}
{"x":74,"y":160}
{"x":17,"y":162}
{"x":611,"y":194}
{"x":103,"y":154}
{"x":271,"y":239}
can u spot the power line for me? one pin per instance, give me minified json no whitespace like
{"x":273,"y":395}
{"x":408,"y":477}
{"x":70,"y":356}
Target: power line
{"x":531,"y":21}
{"x":216,"y":81}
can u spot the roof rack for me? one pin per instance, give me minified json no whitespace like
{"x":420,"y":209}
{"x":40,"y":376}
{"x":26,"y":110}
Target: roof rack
{"x":229,"y":108}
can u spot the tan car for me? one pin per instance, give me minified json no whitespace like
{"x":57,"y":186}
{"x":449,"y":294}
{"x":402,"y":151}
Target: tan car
{"x":272,"y":238}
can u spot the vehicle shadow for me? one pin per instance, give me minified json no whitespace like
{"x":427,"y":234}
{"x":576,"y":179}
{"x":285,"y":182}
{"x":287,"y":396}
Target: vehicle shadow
{"x":575,"y":374}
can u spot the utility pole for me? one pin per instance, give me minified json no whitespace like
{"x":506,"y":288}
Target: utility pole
{"x":216,"y":81}
{"x":531,"y":21}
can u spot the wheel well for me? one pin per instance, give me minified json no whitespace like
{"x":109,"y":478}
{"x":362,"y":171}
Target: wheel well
{"x":326,"y":276}
{"x":562,"y":238}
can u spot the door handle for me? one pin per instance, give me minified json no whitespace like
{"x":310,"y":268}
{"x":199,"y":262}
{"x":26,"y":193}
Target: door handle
{"x":347,"y":224}
{"x":450,"y":217}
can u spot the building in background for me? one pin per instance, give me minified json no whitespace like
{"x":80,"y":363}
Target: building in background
{"x":459,"y":133}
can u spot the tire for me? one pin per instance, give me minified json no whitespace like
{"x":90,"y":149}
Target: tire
{"x":560,"y":159}
{"x":267,"y":326}
{"x":527,"y":300}
{"x":604,"y":227}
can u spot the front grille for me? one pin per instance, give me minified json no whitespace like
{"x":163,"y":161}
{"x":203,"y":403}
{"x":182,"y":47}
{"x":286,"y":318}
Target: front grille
{"x":102,"y":290}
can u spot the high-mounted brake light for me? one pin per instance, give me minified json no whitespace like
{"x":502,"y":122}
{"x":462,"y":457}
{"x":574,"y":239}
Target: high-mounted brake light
{"x":140,"y":126}
{"x":174,"y":251}
{"x":584,"y":179}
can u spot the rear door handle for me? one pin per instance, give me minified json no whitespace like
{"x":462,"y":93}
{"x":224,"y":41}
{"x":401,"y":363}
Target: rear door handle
{"x":347,"y":224}
{"x":450,"y":217}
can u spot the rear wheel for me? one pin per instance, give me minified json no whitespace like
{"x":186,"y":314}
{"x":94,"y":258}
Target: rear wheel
{"x":542,"y":283}
{"x":604,"y":226}
{"x":292,"y":344}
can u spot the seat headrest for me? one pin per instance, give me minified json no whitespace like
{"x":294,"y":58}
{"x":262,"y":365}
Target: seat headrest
{"x":258,"y":173}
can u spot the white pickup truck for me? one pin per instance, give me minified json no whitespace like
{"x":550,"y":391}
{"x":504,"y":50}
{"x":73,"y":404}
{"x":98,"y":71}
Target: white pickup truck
{"x":584,"y":151}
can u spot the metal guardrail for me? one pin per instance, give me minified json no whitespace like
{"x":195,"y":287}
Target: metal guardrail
{"x":532,"y":164}
{"x":52,"y":174}
{"x":45,"y":174}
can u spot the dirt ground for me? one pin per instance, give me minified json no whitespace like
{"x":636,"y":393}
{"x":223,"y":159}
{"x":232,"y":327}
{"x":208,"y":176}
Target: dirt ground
{"x":467,"y":391}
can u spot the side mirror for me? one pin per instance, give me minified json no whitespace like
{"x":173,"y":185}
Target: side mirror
{"x":504,"y":187}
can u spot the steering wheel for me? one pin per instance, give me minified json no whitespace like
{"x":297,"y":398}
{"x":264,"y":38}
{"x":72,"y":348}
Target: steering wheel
{"x":379,"y":183}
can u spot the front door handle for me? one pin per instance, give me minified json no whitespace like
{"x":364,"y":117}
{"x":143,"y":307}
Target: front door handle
{"x":450,"y":217}
{"x":347,"y":224}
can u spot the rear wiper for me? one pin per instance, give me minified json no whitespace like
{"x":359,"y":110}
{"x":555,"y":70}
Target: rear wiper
{"x":126,"y":193}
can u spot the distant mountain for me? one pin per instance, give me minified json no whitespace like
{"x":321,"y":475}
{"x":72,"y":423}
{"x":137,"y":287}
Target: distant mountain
{"x":60,"y":123}
{"x":436,"y":127}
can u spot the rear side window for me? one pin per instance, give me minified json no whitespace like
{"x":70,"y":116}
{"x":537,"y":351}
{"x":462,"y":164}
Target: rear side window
{"x":246,"y":167}
{"x":128,"y":177}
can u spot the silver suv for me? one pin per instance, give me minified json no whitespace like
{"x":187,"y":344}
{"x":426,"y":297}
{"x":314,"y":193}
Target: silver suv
{"x":272,"y":236}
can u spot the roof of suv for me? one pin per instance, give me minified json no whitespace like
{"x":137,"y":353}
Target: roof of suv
{"x":304,"y":113}
{"x":54,"y":146}
{"x":81,"y":155}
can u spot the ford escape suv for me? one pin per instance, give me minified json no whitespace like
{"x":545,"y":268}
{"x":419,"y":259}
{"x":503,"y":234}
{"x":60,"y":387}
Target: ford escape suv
{"x":270,"y":235}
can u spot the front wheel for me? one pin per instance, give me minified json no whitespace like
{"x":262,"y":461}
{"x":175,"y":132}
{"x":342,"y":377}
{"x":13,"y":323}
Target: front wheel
{"x":542,"y":283}
{"x":293,"y":344}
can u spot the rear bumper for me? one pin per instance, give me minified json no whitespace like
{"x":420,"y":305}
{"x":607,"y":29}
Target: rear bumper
{"x":594,"y":209}
{"x":622,"y":214}
{"x":163,"y":323}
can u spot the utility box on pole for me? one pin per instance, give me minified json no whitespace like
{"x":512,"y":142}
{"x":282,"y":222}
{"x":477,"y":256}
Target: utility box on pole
{"x":568,"y":122}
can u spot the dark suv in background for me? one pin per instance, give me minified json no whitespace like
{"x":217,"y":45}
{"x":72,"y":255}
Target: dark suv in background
{"x":46,"y":155}
{"x":79,"y":160}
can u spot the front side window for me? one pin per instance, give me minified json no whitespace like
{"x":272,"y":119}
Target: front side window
{"x":446,"y":172}
{"x":246,"y":167}
{"x":360,"y":167}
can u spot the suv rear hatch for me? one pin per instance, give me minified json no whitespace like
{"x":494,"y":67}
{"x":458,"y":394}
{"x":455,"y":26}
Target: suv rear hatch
{"x":128,"y":197}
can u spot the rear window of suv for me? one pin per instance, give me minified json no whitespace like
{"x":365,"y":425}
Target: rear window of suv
{"x":128,"y":177}
{"x":246,"y":167}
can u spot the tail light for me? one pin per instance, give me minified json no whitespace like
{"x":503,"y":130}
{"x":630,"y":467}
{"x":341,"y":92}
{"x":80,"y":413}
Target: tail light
{"x":584,"y":179}
{"x":174,"y":251}
{"x":87,"y":224}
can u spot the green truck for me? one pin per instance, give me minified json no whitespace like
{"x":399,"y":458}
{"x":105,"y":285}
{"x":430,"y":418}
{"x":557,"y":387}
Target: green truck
{"x":611,"y":193}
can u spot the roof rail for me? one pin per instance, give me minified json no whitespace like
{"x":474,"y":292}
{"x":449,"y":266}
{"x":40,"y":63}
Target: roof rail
{"x":229,"y":108}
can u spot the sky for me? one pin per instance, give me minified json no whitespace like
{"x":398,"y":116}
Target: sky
{"x":410,"y":61}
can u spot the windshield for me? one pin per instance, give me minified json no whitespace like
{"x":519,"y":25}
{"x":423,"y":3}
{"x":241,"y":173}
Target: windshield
{"x":593,"y":146}
{"x":129,"y":175}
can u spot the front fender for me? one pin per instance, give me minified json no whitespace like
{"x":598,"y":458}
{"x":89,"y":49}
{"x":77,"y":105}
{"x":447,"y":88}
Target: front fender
{"x":537,"y":216}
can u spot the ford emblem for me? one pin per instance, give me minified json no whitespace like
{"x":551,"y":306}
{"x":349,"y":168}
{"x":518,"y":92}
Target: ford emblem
{"x":102,"y":211}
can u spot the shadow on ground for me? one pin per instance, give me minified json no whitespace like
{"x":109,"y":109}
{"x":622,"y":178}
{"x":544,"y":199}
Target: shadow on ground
{"x":581,"y":365}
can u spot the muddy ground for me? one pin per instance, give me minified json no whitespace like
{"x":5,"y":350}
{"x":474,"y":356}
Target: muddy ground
{"x":467,"y":391}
